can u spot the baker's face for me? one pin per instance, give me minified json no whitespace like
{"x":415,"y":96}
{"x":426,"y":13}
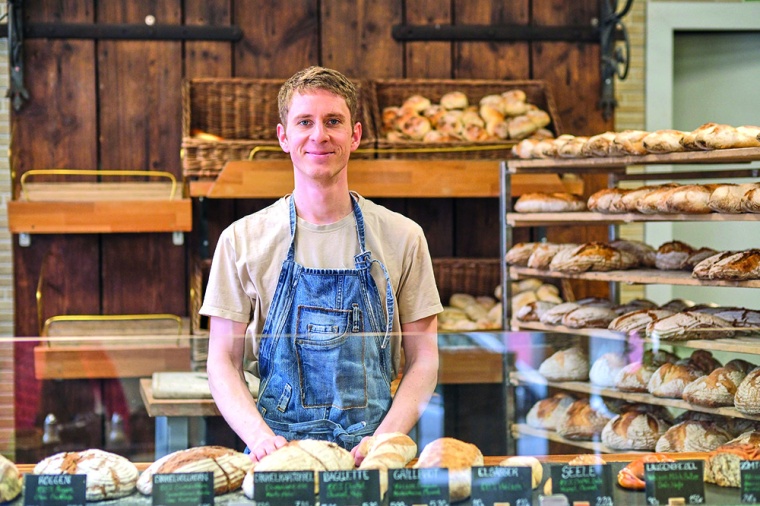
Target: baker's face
{"x":319,"y":135}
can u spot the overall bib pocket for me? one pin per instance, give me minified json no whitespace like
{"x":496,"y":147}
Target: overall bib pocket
{"x":330,"y":359}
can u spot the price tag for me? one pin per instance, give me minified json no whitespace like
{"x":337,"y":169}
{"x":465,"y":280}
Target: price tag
{"x":349,"y":488}
{"x":183,"y":489}
{"x":750,"y":481}
{"x":672,"y":480}
{"x":495,"y":485}
{"x":591,"y":484}
{"x":55,"y":490}
{"x":414,"y":487}
{"x":283,"y":488}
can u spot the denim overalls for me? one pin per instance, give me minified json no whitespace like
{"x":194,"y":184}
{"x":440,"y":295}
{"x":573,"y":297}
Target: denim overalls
{"x":324,"y":358}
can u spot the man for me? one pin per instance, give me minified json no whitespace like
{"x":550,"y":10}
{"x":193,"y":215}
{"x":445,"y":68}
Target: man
{"x":318,"y":282}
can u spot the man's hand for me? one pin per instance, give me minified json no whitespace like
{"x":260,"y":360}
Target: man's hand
{"x":265,"y":446}
{"x":359,"y":456}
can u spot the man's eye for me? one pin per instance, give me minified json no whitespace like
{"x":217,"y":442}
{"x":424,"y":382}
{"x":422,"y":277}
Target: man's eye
{"x":304,"y":122}
{"x":333,"y":121}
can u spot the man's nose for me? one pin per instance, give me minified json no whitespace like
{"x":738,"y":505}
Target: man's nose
{"x":319,"y":132}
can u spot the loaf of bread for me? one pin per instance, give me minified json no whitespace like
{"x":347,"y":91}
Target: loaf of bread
{"x":598,"y":145}
{"x":542,"y":255}
{"x":537,"y":470}
{"x":690,"y":139}
{"x":554,"y":315}
{"x":570,"y":364}
{"x":722,"y":465}
{"x":572,"y":148}
{"x":716,"y":389}
{"x":688,"y":199}
{"x":607,"y":201}
{"x":739,"y":266}
{"x":605,"y":369}
{"x":672,"y":254}
{"x":636,"y":322}
{"x":545,"y":413}
{"x":579,"y":460}
{"x":10,"y":480}
{"x":582,"y":422}
{"x":628,"y":143}
{"x":692,"y":436}
{"x":751,"y":201}
{"x":520,"y":253}
{"x":533,"y":311}
{"x":458,"y":457}
{"x":727,"y":198}
{"x":631,"y":201}
{"x":702,"y":360}
{"x":633,"y":431}
{"x":655,"y":200}
{"x":229,"y":467}
{"x":634,"y":377}
{"x":747,"y":398}
{"x":688,"y":325}
{"x":632,"y":475}
{"x":549,"y":203}
{"x":109,"y":476}
{"x":669,"y":380}
{"x":634,"y":305}
{"x":301,"y":455}
{"x":589,"y":317}
{"x":663,"y":141}
{"x":393,"y":450}
{"x":644,"y":253}
{"x":592,"y":256}
{"x":727,"y":137}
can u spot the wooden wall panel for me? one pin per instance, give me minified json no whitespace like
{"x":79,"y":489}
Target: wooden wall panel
{"x":430,"y":60}
{"x":208,"y":58}
{"x":279,"y":39}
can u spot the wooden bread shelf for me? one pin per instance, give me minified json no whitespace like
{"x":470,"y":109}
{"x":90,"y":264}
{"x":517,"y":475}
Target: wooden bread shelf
{"x":608,"y":165}
{"x":175,"y":407}
{"x":100,"y":361}
{"x":633,"y":276}
{"x":596,"y":447}
{"x":592,"y":218}
{"x":642,"y":398}
{"x":98,"y":207}
{"x":380,"y":178}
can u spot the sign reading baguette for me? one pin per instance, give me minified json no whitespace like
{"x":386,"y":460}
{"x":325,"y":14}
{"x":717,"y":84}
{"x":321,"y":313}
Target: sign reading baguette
{"x":55,"y":490}
{"x":495,"y":485}
{"x":183,"y":489}
{"x":750,"y":481}
{"x":283,"y":488}
{"x":410,"y":487}
{"x":579,"y":483}
{"x":683,"y":479}
{"x":349,"y":488}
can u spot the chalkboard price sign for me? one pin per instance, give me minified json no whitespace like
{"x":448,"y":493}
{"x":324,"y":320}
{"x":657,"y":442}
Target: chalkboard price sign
{"x":55,"y":490}
{"x":750,"y":481}
{"x":183,"y":489}
{"x":410,"y":487}
{"x":498,"y":485}
{"x":666,"y":480}
{"x":590,"y":483}
{"x":359,"y":487}
{"x":283,"y":488}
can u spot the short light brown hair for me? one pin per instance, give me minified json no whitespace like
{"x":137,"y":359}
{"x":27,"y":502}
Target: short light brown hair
{"x":317,"y":78}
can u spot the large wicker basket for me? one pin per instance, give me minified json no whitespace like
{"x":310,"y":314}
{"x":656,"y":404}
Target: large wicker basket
{"x":243,"y":113}
{"x":474,"y":276}
{"x":393,"y":92}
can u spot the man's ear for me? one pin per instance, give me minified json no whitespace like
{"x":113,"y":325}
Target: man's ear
{"x":282,"y":138}
{"x":356,"y":136}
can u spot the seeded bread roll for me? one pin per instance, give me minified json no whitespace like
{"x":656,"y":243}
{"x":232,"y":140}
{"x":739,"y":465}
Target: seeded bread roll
{"x":458,"y":457}
{"x":109,"y":476}
{"x":692,"y":436}
{"x":229,"y":467}
{"x":716,"y":389}
{"x":633,"y":431}
{"x":669,"y":380}
{"x":581,"y":422}
{"x":570,"y":364}
{"x":546,"y":413}
{"x":10,"y":480}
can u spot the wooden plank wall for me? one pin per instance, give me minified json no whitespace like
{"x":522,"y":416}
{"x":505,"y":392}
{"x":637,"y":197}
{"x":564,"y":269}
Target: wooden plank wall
{"x":116,"y":105}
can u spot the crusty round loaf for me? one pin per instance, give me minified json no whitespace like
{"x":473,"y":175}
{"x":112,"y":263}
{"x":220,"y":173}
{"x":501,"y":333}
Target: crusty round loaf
{"x":10,"y":480}
{"x":688,"y":199}
{"x":713,"y":390}
{"x":570,"y":364}
{"x":109,"y":476}
{"x":672,"y":254}
{"x":544,"y":253}
{"x":644,"y":253}
{"x":740,"y":266}
{"x":581,"y":422}
{"x":520,"y":253}
{"x":607,"y":201}
{"x":688,"y":325}
{"x":702,"y":360}
{"x":696,"y":257}
{"x":703,"y":269}
{"x":549,"y":203}
{"x":669,"y":380}
{"x":605,"y":369}
{"x":634,"y":377}
{"x":392,"y":450}
{"x":229,"y":467}
{"x":692,"y":436}
{"x":589,"y":317}
{"x":633,"y":431}
{"x":747,"y":398}
{"x":636,"y":322}
{"x":592,"y":256}
{"x":458,"y":457}
{"x":727,"y":198}
{"x":545,"y":413}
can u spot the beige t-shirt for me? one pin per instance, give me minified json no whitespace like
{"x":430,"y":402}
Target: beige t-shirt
{"x":250,"y":252}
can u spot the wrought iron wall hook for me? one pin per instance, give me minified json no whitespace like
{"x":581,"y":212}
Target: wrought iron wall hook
{"x":615,"y":60}
{"x":16,"y":90}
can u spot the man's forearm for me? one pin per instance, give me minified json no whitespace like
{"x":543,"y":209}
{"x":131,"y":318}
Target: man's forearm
{"x":412,"y":397}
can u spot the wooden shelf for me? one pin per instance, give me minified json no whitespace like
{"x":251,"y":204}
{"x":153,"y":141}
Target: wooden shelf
{"x":521,"y":429}
{"x":610,"y":164}
{"x":98,"y":361}
{"x":175,"y":407}
{"x":642,"y":398}
{"x":632,"y":277}
{"x":380,"y":178}
{"x":591,"y":218}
